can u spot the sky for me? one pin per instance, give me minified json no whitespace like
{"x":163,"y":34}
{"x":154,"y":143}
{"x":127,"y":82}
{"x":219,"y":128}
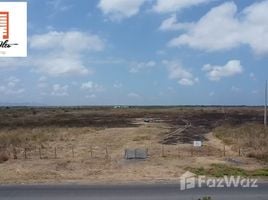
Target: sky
{"x":141,"y":52}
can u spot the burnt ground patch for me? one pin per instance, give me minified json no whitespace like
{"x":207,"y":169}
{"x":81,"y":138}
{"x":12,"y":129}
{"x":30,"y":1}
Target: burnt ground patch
{"x":203,"y":122}
{"x":27,"y":118}
{"x":188,"y":135}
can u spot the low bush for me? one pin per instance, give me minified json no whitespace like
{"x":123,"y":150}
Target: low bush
{"x":3,"y":157}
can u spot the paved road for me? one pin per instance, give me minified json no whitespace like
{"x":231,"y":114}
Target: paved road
{"x":128,"y":192}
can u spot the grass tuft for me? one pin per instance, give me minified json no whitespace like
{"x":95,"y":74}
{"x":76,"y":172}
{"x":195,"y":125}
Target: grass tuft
{"x":220,"y":170}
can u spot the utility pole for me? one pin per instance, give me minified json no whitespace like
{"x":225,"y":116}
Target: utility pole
{"x":265,"y":106}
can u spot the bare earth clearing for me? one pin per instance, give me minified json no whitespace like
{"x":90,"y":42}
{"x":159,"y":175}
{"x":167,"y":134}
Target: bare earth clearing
{"x":86,"y":145}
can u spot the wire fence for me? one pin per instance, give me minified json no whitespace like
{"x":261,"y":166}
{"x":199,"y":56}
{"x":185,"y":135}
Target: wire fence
{"x":107,"y":152}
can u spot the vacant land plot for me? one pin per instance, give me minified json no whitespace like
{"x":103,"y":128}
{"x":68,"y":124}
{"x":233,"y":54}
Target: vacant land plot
{"x":87,"y":144}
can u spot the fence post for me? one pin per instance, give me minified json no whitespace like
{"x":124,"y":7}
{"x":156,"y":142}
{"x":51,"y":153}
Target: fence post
{"x":125,"y":156}
{"x":106,"y":153}
{"x":15,"y":153}
{"x":55,"y":152}
{"x":40,"y":153}
{"x":162,"y":151}
{"x":239,"y":151}
{"x":224,"y":151}
{"x":25,"y":153}
{"x":73,"y":151}
{"x":91,"y":152}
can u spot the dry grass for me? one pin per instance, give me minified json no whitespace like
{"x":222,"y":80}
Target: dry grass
{"x":82,"y":145}
{"x":25,"y":137}
{"x":220,"y":170}
{"x":84,"y":168}
{"x":252,"y":138}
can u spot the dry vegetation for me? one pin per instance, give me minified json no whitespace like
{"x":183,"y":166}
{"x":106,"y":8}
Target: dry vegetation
{"x":252,"y":138}
{"x":87,"y":144}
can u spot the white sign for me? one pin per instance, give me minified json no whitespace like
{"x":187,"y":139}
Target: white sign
{"x":13,"y":29}
{"x":197,"y":143}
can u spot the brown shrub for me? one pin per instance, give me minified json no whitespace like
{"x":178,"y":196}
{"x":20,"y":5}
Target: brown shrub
{"x":3,"y":157}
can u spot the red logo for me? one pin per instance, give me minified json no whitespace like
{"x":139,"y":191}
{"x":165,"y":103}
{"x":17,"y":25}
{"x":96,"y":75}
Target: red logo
{"x":4,"y":25}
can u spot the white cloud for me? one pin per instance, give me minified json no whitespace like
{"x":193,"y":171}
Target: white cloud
{"x":176,"y":71}
{"x":59,"y":5}
{"x":60,"y":90}
{"x":235,"y":89}
{"x":164,"y":6}
{"x":187,"y":81}
{"x":11,"y":91}
{"x":211,"y":94}
{"x":72,"y":41}
{"x":252,"y":76}
{"x":161,"y":52}
{"x":224,"y":28}
{"x":42,"y":85}
{"x":117,"y":85}
{"x":11,"y":87}
{"x":119,"y":9}
{"x":91,"y":96}
{"x":62,"y":53}
{"x":58,"y":53}
{"x":133,"y":95}
{"x":92,"y":87}
{"x":12,"y":63}
{"x":62,"y":65}
{"x":42,"y":79}
{"x":12,"y":81}
{"x":171,"y":24}
{"x":42,"y":82}
{"x":215,"y":72}
{"x":137,"y":67}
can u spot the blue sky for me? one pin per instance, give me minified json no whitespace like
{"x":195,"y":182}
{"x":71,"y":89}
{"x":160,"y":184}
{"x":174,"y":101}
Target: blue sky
{"x":141,"y":52}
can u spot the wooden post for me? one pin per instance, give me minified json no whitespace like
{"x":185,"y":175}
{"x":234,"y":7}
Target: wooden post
{"x":125,"y":156}
{"x":73,"y":151}
{"x":55,"y":152}
{"x":25,"y":153}
{"x":239,"y":151}
{"x":224,"y":151}
{"x":162,"y":151}
{"x":40,"y":153}
{"x":15,"y":153}
{"x":106,"y":153}
{"x":91,"y":152}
